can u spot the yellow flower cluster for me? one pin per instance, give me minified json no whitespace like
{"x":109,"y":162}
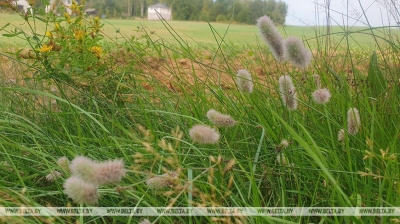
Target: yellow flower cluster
{"x":77,"y":9}
{"x":45,"y":48}
{"x":96,"y":24}
{"x":79,"y":35}
{"x":49,"y":34}
{"x":97,"y":51}
{"x":57,"y":27}
{"x":67,"y":17}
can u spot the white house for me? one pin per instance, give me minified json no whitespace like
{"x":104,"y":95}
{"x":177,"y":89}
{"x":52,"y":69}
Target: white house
{"x":22,"y":5}
{"x":155,"y":11}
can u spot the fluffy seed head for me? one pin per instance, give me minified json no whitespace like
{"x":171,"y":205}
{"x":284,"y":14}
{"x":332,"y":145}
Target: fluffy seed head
{"x":244,"y":81}
{"x":63,"y":162}
{"x":110,"y":171}
{"x":288,"y":92}
{"x":80,"y":191}
{"x":98,"y":173}
{"x":53,"y":175}
{"x":317,"y":81}
{"x":271,"y":37}
{"x":162,"y":181}
{"x":321,"y":96}
{"x":296,"y":52}
{"x":220,"y":120}
{"x":204,"y":134}
{"x":83,"y":168}
{"x":353,"y":121}
{"x":281,"y":159}
{"x":341,"y":135}
{"x":284,"y":143}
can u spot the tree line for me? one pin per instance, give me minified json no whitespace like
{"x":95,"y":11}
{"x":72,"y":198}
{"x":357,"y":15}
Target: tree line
{"x":242,"y":11}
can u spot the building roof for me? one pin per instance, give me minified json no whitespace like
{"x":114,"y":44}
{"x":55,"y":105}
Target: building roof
{"x":90,"y":10}
{"x":159,"y":5}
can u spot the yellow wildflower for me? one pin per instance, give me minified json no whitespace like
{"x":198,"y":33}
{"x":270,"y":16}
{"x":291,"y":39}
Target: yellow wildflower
{"x":79,"y":35}
{"x":66,"y":15}
{"x":49,"y":34}
{"x":76,"y":8}
{"x":96,"y":50}
{"x":80,"y":20}
{"x":57,"y":27}
{"x":45,"y":48}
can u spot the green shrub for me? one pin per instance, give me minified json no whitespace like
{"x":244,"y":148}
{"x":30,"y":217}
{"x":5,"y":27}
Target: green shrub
{"x":221,"y":18}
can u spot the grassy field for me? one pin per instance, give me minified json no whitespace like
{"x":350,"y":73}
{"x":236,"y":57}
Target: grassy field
{"x":136,"y":103}
{"x":212,"y":33}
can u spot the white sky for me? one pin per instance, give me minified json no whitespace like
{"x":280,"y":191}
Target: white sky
{"x":307,"y":12}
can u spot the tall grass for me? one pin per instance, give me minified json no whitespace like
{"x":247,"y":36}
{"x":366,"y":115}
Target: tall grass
{"x":145,"y":94}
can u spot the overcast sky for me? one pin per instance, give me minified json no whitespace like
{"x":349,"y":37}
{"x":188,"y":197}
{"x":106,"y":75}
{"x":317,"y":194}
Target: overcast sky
{"x":307,"y":12}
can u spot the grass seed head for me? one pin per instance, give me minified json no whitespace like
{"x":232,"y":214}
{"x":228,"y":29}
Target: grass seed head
{"x":212,"y":159}
{"x":230,"y":182}
{"x":229,"y":166}
{"x":148,"y":147}
{"x":63,"y":162}
{"x":341,"y":135}
{"x":53,"y":175}
{"x":210,"y":177}
{"x":284,"y":143}
{"x":111,"y":171}
{"x":83,"y":168}
{"x":220,"y":120}
{"x":296,"y":53}
{"x":317,"y":81}
{"x":288,"y":92}
{"x":138,"y":155}
{"x":96,"y":173}
{"x":244,"y":81}
{"x":321,"y":96}
{"x":271,"y":36}
{"x":353,"y":121}
{"x":204,"y":134}
{"x":162,"y":181}
{"x":81,"y":191}
{"x":281,"y":159}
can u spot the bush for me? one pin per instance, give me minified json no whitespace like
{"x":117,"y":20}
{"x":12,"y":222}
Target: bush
{"x":221,"y":18}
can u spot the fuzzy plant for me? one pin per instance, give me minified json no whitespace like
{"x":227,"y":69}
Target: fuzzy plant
{"x":272,"y":37}
{"x":296,"y":53}
{"x":204,"y":134}
{"x":244,"y":81}
{"x":288,"y":92}
{"x":321,"y":96}
{"x":220,"y":120}
{"x":88,"y":175}
{"x":353,"y":121}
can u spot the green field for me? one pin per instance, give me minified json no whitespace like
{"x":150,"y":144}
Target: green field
{"x":213,"y":33}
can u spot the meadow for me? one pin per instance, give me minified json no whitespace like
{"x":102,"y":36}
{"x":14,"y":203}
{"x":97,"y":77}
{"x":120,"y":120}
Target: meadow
{"x":84,"y":89}
{"x":203,"y":33}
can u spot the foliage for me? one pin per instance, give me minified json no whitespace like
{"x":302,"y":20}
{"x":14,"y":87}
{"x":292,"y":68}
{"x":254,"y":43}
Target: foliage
{"x":243,"y":11}
{"x":69,"y":48}
{"x":376,"y":80}
{"x":221,"y":18}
